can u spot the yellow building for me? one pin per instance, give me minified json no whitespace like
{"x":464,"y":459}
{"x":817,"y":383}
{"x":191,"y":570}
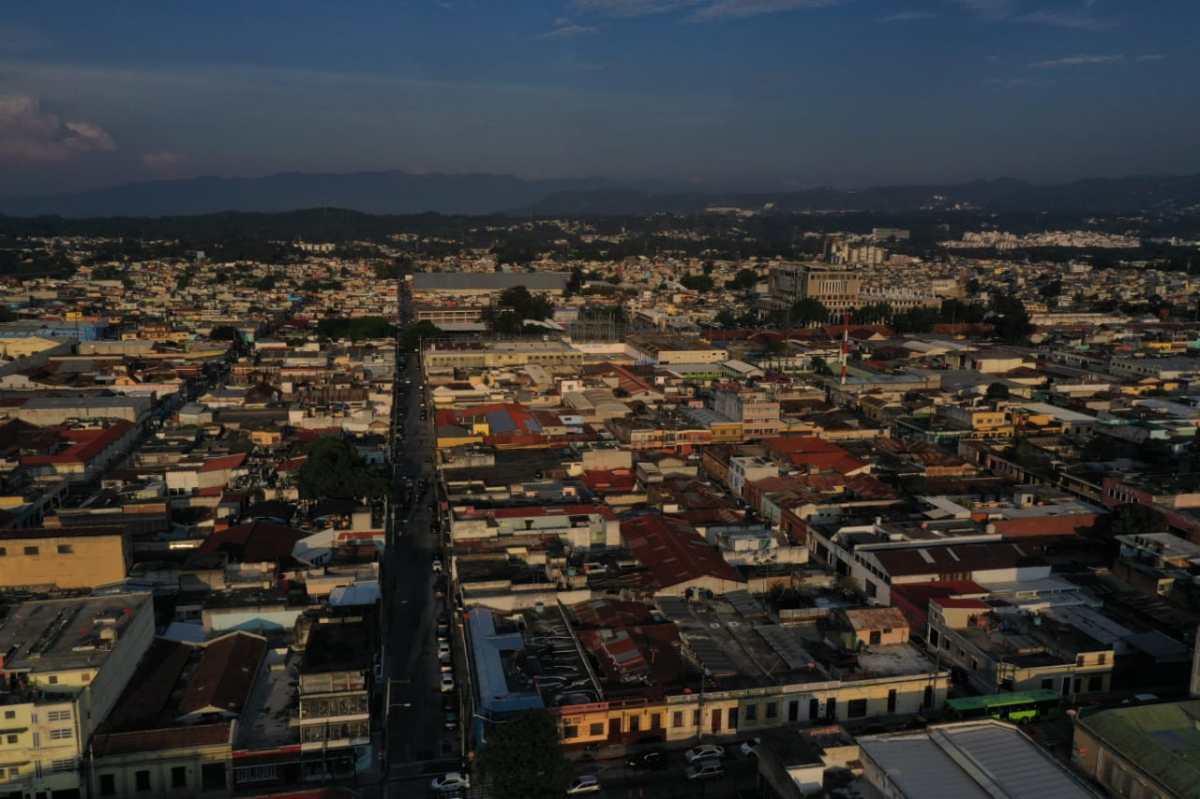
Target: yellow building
{"x":77,"y":557}
{"x":67,"y":662}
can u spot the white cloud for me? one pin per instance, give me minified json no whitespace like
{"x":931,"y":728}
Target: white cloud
{"x":1064,"y":19}
{"x":1151,"y":57}
{"x":1077,"y":61}
{"x":701,"y":10}
{"x":566,"y":29}
{"x":29,"y":135}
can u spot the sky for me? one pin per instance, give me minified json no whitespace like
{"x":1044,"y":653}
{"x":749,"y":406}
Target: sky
{"x":714,"y":94}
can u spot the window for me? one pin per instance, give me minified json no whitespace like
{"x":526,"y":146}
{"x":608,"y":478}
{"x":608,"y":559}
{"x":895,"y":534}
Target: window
{"x":876,"y":638}
{"x":1048,"y":684}
{"x":891,"y":705}
{"x":179,"y":777}
{"x":212,"y":776}
{"x":12,"y":739}
{"x":831,"y":709}
{"x":635,"y":723}
{"x":1080,"y":660}
{"x":695,"y":718}
{"x":62,"y":766}
{"x":656,"y":721}
{"x":10,"y":714}
{"x":677,"y":719}
{"x":52,"y":679}
{"x":141,"y":780}
{"x":814,"y":709}
{"x":596,"y":729}
{"x":58,"y":715}
{"x":772,"y":710}
{"x":108,"y":785}
{"x":66,"y":549}
{"x":1096,"y":682}
{"x":856,"y":708}
{"x":571,"y":731}
{"x":31,"y":550}
{"x":14,"y":771}
{"x":60,"y":734}
{"x":751,"y":712}
{"x":927,"y":698}
{"x":3,"y":551}
{"x":1102,"y":658}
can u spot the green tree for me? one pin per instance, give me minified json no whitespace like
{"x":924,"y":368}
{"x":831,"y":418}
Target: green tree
{"x":997,"y":391}
{"x":226,"y":333}
{"x":523,"y":759}
{"x":410,"y":339}
{"x":809,"y":312}
{"x":701,"y":283}
{"x":744,"y":280}
{"x":1010,"y":318}
{"x":265,"y":283}
{"x":726,"y":319}
{"x":334,"y":469}
{"x":356,"y":328}
{"x":574,"y":282}
{"x":821,"y":367}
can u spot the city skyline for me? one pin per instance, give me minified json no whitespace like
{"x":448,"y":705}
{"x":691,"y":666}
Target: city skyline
{"x":772,"y":94}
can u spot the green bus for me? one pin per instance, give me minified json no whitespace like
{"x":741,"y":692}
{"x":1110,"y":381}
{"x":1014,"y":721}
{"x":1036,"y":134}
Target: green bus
{"x":1018,"y":707}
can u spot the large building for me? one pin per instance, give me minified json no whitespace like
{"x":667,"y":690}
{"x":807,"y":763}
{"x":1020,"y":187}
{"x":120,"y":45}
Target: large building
{"x":1143,"y":750}
{"x":441,"y":285}
{"x":66,"y":663}
{"x":83,"y":557}
{"x":836,"y":289}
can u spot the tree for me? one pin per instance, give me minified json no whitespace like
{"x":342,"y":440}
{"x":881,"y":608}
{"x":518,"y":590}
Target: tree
{"x":574,"y":282}
{"x":524,"y":304}
{"x":334,"y":469}
{"x":1011,"y":319}
{"x":356,"y":328}
{"x":744,"y":280}
{"x":809,"y":312}
{"x":726,"y":319}
{"x":523,"y":759}
{"x":410,"y":339}
{"x":226,"y":333}
{"x":701,"y":283}
{"x":265,"y":283}
{"x":821,"y":367}
{"x":997,"y":391}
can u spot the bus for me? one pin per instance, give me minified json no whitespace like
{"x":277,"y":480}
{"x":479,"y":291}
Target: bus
{"x":1018,"y":707}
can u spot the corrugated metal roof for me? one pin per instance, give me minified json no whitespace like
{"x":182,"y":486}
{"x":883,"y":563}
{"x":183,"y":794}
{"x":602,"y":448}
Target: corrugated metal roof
{"x":489,"y":281}
{"x":987,"y":759}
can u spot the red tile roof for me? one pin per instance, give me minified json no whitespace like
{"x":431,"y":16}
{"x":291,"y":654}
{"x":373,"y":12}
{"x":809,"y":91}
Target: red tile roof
{"x":86,"y":444}
{"x":256,"y":542}
{"x":119,"y":743}
{"x":224,"y":462}
{"x":225,"y":674}
{"x":673,"y":551}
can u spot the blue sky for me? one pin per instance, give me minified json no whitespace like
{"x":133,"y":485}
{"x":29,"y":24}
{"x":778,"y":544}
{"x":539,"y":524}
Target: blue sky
{"x":715,"y":93}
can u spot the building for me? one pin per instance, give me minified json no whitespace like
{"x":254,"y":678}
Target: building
{"x":971,"y":760}
{"x":1148,"y":750}
{"x":836,"y":289}
{"x":66,"y":663}
{"x":335,"y":690}
{"x":72,"y":557}
{"x":429,"y":285}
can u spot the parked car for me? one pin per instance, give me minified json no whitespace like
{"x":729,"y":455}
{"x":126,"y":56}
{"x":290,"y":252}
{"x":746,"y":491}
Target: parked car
{"x":649,"y":759}
{"x":447,"y":683}
{"x":704,"y":769}
{"x":749,"y":748}
{"x":704,"y":752}
{"x":584,"y":783}
{"x":443,"y":649}
{"x":454,"y":781}
{"x":437,"y":566}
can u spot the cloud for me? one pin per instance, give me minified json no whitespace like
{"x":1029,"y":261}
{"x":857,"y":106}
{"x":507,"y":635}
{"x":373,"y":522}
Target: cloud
{"x":700,"y":10}
{"x":907,"y":16}
{"x":29,"y":135}
{"x":566,"y":29}
{"x":1064,"y":19}
{"x":1077,"y":61}
{"x":1151,"y":57}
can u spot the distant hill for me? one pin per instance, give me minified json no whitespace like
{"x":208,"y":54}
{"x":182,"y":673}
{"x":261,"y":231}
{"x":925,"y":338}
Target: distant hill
{"x":1099,"y":195}
{"x":367,"y":192}
{"x":480,"y":194}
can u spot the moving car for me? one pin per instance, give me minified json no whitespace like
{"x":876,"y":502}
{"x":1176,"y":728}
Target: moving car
{"x":443,"y":650}
{"x":447,"y":683}
{"x":650,"y":759}
{"x":704,"y":752}
{"x":584,"y":783}
{"x":437,"y":566}
{"x":704,"y":769}
{"x":453,"y":781}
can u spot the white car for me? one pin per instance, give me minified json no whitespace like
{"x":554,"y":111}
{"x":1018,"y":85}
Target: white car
{"x":703,"y":752}
{"x":750,"y":748}
{"x":447,"y":683}
{"x":453,"y":781}
{"x":437,"y":566}
{"x":443,"y":649}
{"x":585,"y":783}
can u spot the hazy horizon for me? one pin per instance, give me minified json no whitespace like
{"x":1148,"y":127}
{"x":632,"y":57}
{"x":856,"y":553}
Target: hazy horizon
{"x":711,"y":94}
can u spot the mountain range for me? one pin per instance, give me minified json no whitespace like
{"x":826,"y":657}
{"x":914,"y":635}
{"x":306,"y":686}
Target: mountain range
{"x":393,"y":192}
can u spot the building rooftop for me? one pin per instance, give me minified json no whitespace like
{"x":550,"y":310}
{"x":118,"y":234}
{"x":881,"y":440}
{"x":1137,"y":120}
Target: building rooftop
{"x":59,"y":634}
{"x":973,"y":760}
{"x":1163,"y":740}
